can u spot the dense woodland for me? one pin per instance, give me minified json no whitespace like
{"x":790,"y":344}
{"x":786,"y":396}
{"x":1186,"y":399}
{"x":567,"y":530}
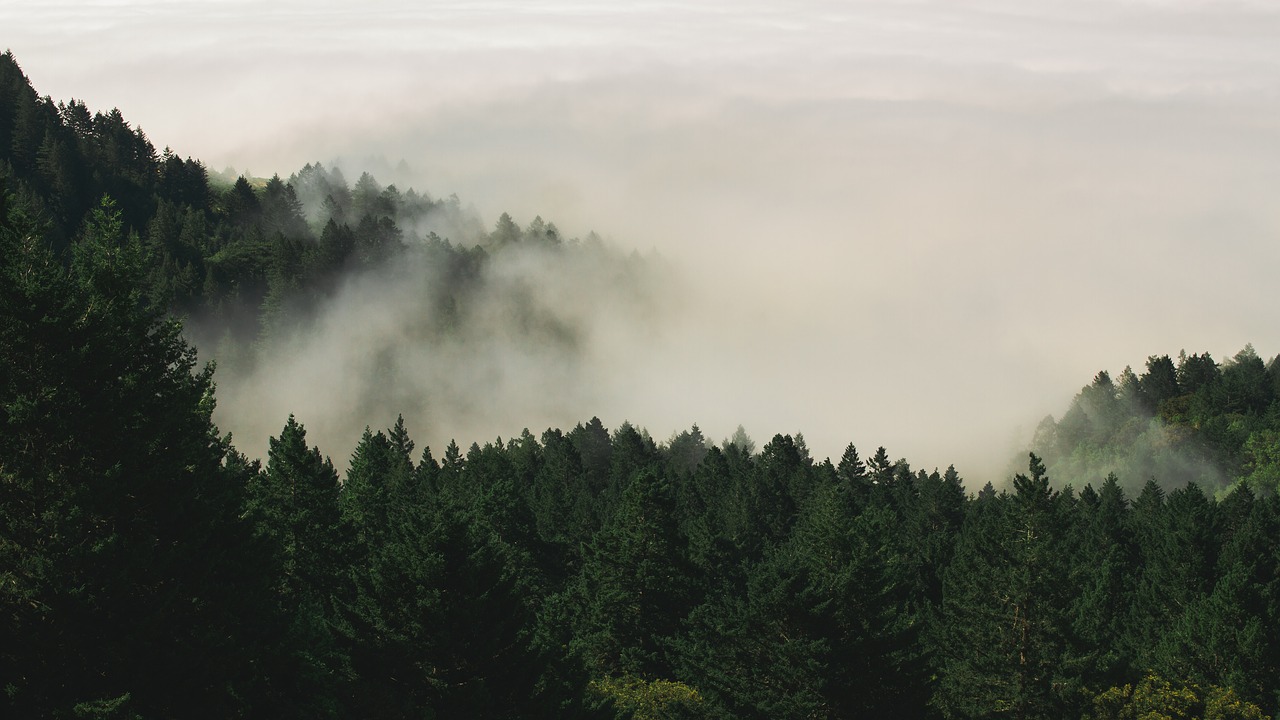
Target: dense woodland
{"x":1196,"y":420}
{"x":150,"y":570}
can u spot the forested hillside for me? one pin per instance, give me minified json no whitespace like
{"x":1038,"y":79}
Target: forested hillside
{"x":148,"y":569}
{"x":1196,"y":420}
{"x":251,"y":260}
{"x":371,"y":292}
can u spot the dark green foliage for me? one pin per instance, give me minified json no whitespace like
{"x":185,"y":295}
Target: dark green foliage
{"x":685,"y":452}
{"x":635,"y":584}
{"x":129,"y":576}
{"x":444,"y":617}
{"x":70,"y":158}
{"x":595,"y":450}
{"x":1004,"y":627}
{"x":777,"y":488}
{"x":1160,"y":383}
{"x":563,"y":503}
{"x":1227,"y":637}
{"x":294,"y":505}
{"x":859,"y":596}
{"x":748,"y":652}
{"x":714,"y":519}
{"x":932,"y":526}
{"x":1106,"y":569}
{"x":1178,"y":544}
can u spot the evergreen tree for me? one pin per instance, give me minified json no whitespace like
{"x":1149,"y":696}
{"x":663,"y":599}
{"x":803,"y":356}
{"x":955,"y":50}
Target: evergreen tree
{"x":482,"y":656}
{"x":294,"y":504}
{"x":281,"y":211}
{"x":1228,"y":637}
{"x":1179,"y":554}
{"x":716,"y":524}
{"x":685,"y":451}
{"x":1160,"y":383}
{"x":750,"y":653}
{"x":130,"y":579}
{"x":1004,"y":613}
{"x":563,"y":501}
{"x":852,"y":472}
{"x":1106,"y":566}
{"x":858,"y":596}
{"x":635,"y":585}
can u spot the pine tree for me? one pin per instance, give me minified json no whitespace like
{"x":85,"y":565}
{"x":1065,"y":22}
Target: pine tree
{"x":563,"y":502}
{"x":294,"y":504}
{"x":1228,"y":637}
{"x":130,"y":576}
{"x":750,"y":653}
{"x":635,"y":585}
{"x":1107,"y":563}
{"x":861,"y":603}
{"x":1179,"y":548}
{"x":1004,"y":626}
{"x":443,"y":621}
{"x":853,"y":472}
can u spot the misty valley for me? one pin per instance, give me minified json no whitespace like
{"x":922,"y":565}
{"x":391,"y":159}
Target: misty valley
{"x":356,"y":547}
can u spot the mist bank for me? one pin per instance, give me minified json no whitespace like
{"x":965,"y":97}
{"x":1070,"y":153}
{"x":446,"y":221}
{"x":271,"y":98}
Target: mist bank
{"x":878,"y":272}
{"x":496,"y":331}
{"x":471,"y":338}
{"x":909,"y":224}
{"x":870,"y":270}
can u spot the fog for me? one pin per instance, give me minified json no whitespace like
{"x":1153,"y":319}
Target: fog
{"x":919,"y":224}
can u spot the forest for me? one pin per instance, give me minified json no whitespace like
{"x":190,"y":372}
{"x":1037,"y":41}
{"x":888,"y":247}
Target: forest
{"x":1197,"y":420}
{"x":150,"y":569}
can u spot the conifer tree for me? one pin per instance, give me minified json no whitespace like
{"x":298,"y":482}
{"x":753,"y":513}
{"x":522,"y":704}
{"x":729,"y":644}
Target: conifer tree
{"x":1107,"y":565}
{"x":1004,"y":625}
{"x":751,"y":653}
{"x":563,"y":502}
{"x":294,"y":504}
{"x":860,"y":596}
{"x":1228,"y":636}
{"x":130,"y":583}
{"x":635,"y":586}
{"x":1179,"y":548}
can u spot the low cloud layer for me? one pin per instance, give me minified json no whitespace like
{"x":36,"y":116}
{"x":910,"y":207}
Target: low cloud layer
{"x":921,"y":224}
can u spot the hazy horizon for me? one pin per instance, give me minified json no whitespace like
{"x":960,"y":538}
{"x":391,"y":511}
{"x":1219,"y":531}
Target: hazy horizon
{"x":917,"y":224}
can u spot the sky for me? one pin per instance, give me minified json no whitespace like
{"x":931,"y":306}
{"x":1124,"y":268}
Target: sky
{"x":922,"y":224}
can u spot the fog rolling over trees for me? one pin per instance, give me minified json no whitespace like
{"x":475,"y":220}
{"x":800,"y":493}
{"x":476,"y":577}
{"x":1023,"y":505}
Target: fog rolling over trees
{"x":468,"y":332}
{"x":891,"y":214}
{"x":1189,"y":420}
{"x":149,"y":568}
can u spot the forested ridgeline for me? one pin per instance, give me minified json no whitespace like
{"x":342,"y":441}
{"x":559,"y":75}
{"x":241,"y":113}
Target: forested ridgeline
{"x":149,"y":570}
{"x":1196,"y":420}
{"x":251,"y":261}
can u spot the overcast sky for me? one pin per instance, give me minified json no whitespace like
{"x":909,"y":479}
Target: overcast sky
{"x":922,"y":224}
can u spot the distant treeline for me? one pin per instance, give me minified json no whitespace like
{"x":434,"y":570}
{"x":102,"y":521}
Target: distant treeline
{"x":1195,"y":420}
{"x":150,"y":570}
